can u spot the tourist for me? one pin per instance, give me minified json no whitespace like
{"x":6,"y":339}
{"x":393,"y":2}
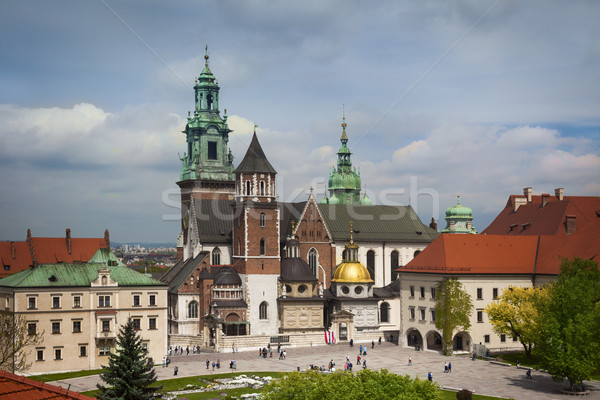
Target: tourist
{"x":518,"y":364}
{"x":207,"y":363}
{"x":372,"y":344}
{"x":284,"y":354}
{"x":175,"y":370}
{"x":528,"y":373}
{"x":214,"y":365}
{"x":358,"y":360}
{"x":218,"y":364}
{"x":445,"y":367}
{"x":364,"y":364}
{"x":409,"y":361}
{"x":164,"y":362}
{"x":360,"y":349}
{"x":449,"y":367}
{"x":429,"y":377}
{"x":187,"y":351}
{"x":380,"y":340}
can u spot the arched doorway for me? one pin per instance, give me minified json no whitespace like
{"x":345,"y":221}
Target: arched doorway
{"x":434,"y":340}
{"x":414,"y":339}
{"x":461,"y":342}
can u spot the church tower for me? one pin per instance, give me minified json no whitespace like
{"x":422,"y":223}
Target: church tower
{"x":459,"y":219}
{"x":207,"y":165}
{"x":256,"y":230}
{"x":344,"y":182}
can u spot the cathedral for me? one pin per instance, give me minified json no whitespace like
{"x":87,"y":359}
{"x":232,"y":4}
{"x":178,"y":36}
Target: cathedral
{"x":253,"y":270}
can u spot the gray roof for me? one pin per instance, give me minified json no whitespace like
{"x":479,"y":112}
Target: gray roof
{"x":225,"y":276}
{"x":375,"y":223}
{"x":255,"y":159}
{"x":214,"y":219}
{"x":182,"y":273}
{"x":289,"y":212}
{"x":389,"y":291}
{"x":229,"y":303}
{"x":296,"y":270}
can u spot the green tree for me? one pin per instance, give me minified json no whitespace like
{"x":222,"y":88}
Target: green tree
{"x":128,"y":374}
{"x":453,"y":308}
{"x":15,"y":338}
{"x":570,"y":323}
{"x":516,"y":313}
{"x":366,"y":384}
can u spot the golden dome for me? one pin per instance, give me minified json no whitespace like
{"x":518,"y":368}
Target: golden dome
{"x":352,"y":272}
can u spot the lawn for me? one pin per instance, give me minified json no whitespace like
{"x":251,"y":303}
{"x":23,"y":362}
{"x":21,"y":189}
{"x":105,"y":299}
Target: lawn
{"x":64,"y":375}
{"x":533,"y":362}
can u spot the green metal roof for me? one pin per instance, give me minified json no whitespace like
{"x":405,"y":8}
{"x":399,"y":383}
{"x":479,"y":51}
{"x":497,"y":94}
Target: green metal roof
{"x":77,"y":275}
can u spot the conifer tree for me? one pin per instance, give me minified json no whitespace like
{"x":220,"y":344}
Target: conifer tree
{"x":129,"y":375}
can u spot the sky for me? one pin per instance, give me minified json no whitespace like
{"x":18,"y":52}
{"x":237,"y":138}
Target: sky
{"x":472,"y":98}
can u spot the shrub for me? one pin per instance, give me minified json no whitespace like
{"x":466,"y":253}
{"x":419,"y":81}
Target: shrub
{"x":464,"y":395}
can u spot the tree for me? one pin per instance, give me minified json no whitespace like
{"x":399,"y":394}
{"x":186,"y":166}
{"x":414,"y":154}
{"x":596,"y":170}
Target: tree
{"x":453,"y":308}
{"x":15,"y":337}
{"x":129,"y":373}
{"x":341,"y":385}
{"x":516,"y":313}
{"x":569,"y":343}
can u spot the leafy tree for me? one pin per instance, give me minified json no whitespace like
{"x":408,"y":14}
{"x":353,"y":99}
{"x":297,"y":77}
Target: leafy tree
{"x":129,"y":374}
{"x":14,"y":340}
{"x":570,"y":322}
{"x":516,"y":313}
{"x":366,"y":384}
{"x":453,"y":308}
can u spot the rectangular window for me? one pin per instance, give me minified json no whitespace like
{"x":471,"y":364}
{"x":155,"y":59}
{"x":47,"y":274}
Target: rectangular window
{"x":76,"y":326}
{"x":136,"y":300}
{"x":82,"y":351}
{"x":55,"y":301}
{"x":412,"y":291}
{"x":433,"y":315}
{"x":422,"y":292}
{"x":212,"y":150}
{"x":152,"y":300}
{"x":31,"y":303}
{"x":495,"y":293}
{"x":58,"y":354}
{"x":76,"y":301}
{"x":136,"y":324}
{"x":422,"y":310}
{"x":152,"y":323}
{"x":39,"y":355}
{"x":105,"y":325}
{"x":479,"y":315}
{"x":7,"y":302}
{"x":514,"y":338}
{"x":31,"y":328}
{"x":486,"y":338}
{"x":104,"y":350}
{"x":55,"y":328}
{"x":412,"y":312}
{"x":479,"y":294}
{"x":503,"y":338}
{"x":103,"y":301}
{"x":433,"y":293}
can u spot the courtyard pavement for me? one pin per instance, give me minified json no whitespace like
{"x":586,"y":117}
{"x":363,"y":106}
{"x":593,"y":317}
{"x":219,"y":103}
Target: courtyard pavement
{"x":481,"y":377}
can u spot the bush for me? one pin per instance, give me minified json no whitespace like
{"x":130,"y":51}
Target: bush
{"x":464,"y":395}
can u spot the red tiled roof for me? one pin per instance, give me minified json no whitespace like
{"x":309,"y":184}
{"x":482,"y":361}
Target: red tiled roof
{"x":544,"y":215}
{"x":454,"y":253}
{"x":19,"y":256}
{"x":16,"y":387}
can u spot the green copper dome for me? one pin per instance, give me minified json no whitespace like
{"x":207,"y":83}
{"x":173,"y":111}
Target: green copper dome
{"x":458,"y":219}
{"x":366,"y":201}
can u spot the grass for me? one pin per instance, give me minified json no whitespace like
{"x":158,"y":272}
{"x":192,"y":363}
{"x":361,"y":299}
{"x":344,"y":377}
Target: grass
{"x":64,"y":375}
{"x":533,"y":362}
{"x":451,"y":395}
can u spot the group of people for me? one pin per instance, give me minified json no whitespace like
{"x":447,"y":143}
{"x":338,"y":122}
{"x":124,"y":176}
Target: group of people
{"x":214,"y":364}
{"x":179,"y":350}
{"x":447,"y":367}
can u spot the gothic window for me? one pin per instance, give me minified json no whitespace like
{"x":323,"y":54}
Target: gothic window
{"x":263,"y":310}
{"x":262,"y":246}
{"x":371,"y":263}
{"x":262,"y":188}
{"x":216,"y":256}
{"x":263,"y":220}
{"x":313,"y":258}
{"x":394,"y":260}
{"x":193,"y":310}
{"x":384,"y":313}
{"x":212,"y":150}
{"x":247,"y":188}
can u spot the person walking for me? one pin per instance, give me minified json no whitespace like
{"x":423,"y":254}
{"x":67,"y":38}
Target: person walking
{"x":429,"y":377}
{"x":218,"y":364}
{"x":207,"y":363}
{"x":214,"y":365}
{"x":445,"y":367}
{"x":365,"y":364}
{"x":351,"y":342}
{"x":409,"y":361}
{"x":449,"y":366}
{"x":357,"y":360}
{"x":360,"y":349}
{"x":528,"y":373}
{"x":175,"y":370}
{"x":372,"y":344}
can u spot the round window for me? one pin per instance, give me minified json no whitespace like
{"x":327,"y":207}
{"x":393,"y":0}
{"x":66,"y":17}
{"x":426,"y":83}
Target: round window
{"x":301,"y":288}
{"x":358,"y":290}
{"x":345,"y":290}
{"x":288,"y":289}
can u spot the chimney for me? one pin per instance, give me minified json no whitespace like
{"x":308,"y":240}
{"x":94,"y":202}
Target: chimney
{"x":68,"y":240}
{"x":107,"y":238}
{"x":570,"y":224}
{"x":518,"y":202}
{"x":433,"y":224}
{"x":527,"y":193}
{"x":559,"y":193}
{"x":12,"y":250}
{"x":545,"y":198}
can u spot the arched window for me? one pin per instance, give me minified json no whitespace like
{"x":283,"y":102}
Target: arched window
{"x":193,"y":309}
{"x":371,"y":263}
{"x":384,"y":313}
{"x":263,"y":310}
{"x":416,"y":253}
{"x":263,"y":220}
{"x":262,"y":188}
{"x":313,"y":261}
{"x":216,"y":256}
{"x":262,"y":246}
{"x":247,"y":188}
{"x":394,"y":260}
{"x":209,"y":101}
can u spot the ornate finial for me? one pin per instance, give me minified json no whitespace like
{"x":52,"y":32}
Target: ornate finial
{"x":225,"y":111}
{"x":206,"y":55}
{"x":351,"y":233}
{"x":255,"y":126}
{"x":344,"y":116}
{"x":311,"y":189}
{"x":293,"y":225}
{"x":188,"y":113}
{"x":458,"y":198}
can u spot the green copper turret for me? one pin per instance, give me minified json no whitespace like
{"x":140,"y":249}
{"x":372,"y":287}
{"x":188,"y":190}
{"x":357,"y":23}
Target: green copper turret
{"x":344,"y":181}
{"x":207,"y":134}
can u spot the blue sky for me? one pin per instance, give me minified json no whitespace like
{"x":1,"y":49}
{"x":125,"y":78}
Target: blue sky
{"x":477,"y":98}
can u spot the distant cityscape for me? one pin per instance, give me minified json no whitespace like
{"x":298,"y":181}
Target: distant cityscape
{"x":158,"y":256}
